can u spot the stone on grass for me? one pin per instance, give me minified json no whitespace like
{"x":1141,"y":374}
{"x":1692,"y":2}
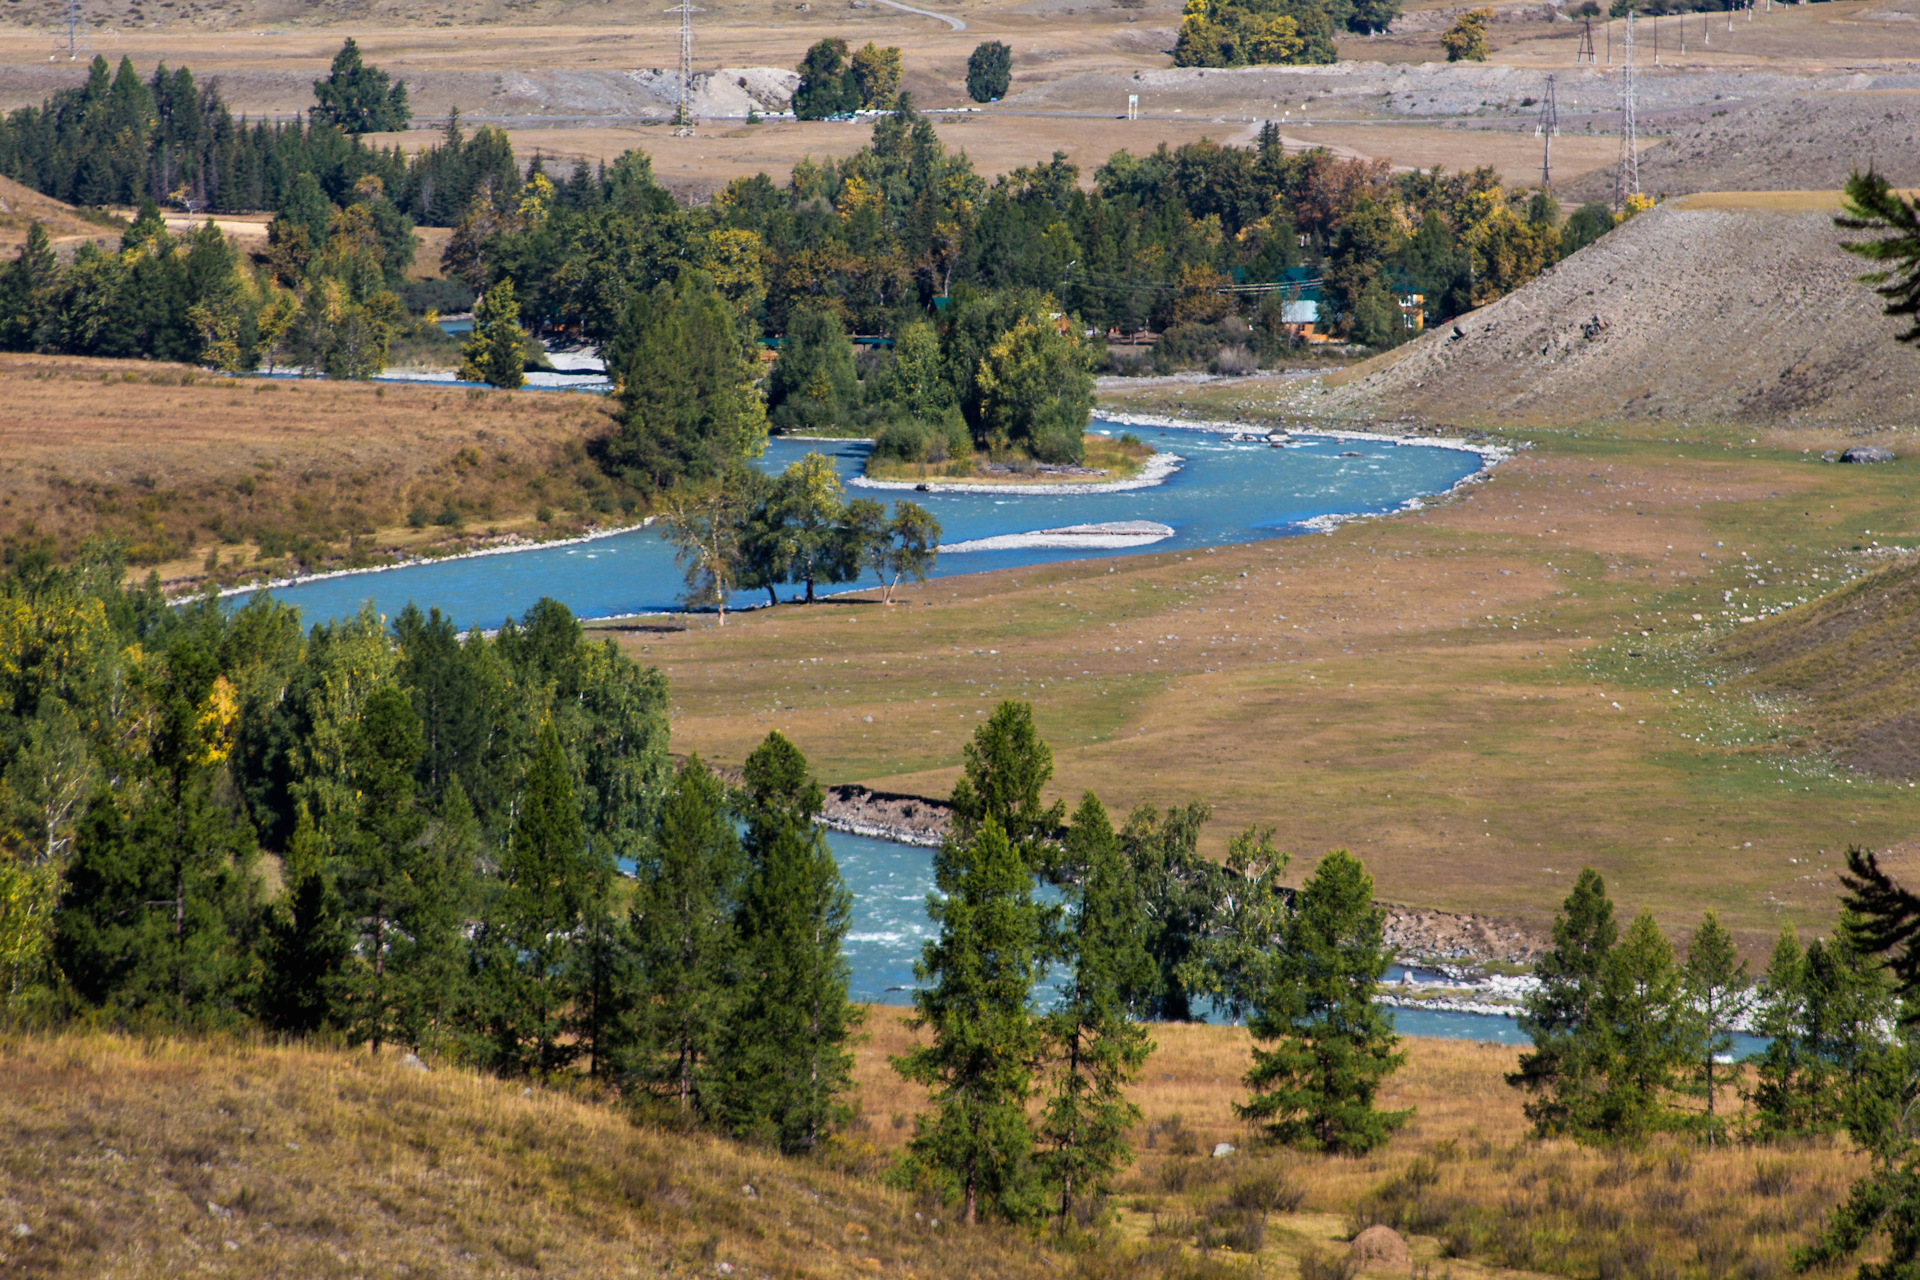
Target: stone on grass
{"x":1867,"y":453}
{"x":1379,"y":1248}
{"x":1221,"y":1150}
{"x":412,"y":1063}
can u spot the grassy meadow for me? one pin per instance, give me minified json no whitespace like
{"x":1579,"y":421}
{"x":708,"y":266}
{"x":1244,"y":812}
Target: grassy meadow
{"x":1478,"y":698}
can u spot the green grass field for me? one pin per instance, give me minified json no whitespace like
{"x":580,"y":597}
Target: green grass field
{"x":1478,"y":699}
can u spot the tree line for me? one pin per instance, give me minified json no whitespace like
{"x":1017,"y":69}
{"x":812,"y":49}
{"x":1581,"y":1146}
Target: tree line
{"x":477,"y":848}
{"x":1628,"y":1040}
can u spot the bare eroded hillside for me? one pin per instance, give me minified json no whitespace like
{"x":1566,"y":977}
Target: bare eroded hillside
{"x":1739,"y":310}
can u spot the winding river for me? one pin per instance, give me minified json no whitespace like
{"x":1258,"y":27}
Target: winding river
{"x":1223,"y":492}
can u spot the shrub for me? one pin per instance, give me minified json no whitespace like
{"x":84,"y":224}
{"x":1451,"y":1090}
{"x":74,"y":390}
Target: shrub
{"x":989,"y":72}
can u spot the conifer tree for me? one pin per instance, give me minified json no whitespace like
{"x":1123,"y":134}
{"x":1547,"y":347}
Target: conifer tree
{"x":1642,"y":1029}
{"x":1096,"y":1049}
{"x":1560,"y":1016}
{"x":159,"y":904}
{"x":308,"y":944}
{"x":496,"y":352}
{"x":785,"y":1062}
{"x":1719,"y":995}
{"x":430,"y":954}
{"x":684,"y":942}
{"x":976,"y":997}
{"x":1005,"y":766}
{"x":1781,"y":1094}
{"x":548,"y":883}
{"x":381,"y":858}
{"x":1332,"y":1045}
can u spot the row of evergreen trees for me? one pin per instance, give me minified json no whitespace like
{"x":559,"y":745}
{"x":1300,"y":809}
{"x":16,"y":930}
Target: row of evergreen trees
{"x":1305,"y":968}
{"x":1629,"y":1038}
{"x":118,"y":139}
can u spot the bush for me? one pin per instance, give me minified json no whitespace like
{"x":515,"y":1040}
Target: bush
{"x":449,"y":296}
{"x":989,"y":72}
{"x":1234,"y":362}
{"x":902,"y":441}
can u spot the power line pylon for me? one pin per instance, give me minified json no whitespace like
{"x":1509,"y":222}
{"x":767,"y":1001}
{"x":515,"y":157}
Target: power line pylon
{"x":686,"y":10}
{"x":1548,"y":126}
{"x":76,"y":25}
{"x":1627,"y":183}
{"x":1586,"y":53}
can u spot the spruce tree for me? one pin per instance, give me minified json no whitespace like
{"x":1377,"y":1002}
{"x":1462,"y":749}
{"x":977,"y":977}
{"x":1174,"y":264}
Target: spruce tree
{"x":1095,"y":1047}
{"x":1332,"y":1045}
{"x":1005,"y":765}
{"x":684,"y":943}
{"x":308,"y":945}
{"x":1719,"y":995}
{"x":976,"y":997}
{"x":160,"y":903}
{"x":548,"y":882}
{"x":785,"y":1062}
{"x":429,"y":957}
{"x":381,"y":857}
{"x":1560,"y":1016}
{"x":1785,"y":1076}
{"x":496,"y":352}
{"x":1642,"y":1025}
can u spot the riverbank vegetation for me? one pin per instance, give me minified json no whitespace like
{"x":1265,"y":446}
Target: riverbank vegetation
{"x":1103,"y":459}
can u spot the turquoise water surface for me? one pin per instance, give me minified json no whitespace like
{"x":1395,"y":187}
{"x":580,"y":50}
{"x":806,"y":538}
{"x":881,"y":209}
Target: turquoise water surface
{"x":1225,"y":493}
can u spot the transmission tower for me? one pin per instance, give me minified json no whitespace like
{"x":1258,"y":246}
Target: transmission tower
{"x":686,"y":10}
{"x":1627,"y":184}
{"x":1548,"y":126}
{"x":76,"y":26}
{"x":1587,"y":53}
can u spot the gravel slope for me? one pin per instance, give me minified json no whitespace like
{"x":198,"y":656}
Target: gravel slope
{"x":1728,"y":314}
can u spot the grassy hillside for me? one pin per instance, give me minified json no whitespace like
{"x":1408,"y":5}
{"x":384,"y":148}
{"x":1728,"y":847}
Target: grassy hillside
{"x":162,"y":1158}
{"x":1854,"y":656}
{"x":181,"y":464}
{"x":149,"y":1158}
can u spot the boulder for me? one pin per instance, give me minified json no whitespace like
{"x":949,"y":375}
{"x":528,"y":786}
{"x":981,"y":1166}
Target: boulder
{"x":1221,"y":1150}
{"x":1379,"y":1248}
{"x":1867,"y":453}
{"x":412,"y":1063}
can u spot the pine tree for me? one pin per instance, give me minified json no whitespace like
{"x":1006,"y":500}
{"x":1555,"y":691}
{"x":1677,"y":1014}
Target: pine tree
{"x":380,"y":857}
{"x":1005,"y":765}
{"x":1560,"y":1016}
{"x":684,"y":941}
{"x":1719,"y":993}
{"x":1332,"y":1045}
{"x":308,"y":945}
{"x":785,"y":1062}
{"x":976,"y":997}
{"x":1642,"y":1025}
{"x":1096,"y":1048}
{"x":548,"y":882}
{"x":496,"y":352}
{"x":1785,"y":1076}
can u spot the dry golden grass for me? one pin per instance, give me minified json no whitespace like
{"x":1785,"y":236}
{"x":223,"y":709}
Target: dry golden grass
{"x":160,"y":1157}
{"x":1465,"y":1180}
{"x":178,"y":463}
